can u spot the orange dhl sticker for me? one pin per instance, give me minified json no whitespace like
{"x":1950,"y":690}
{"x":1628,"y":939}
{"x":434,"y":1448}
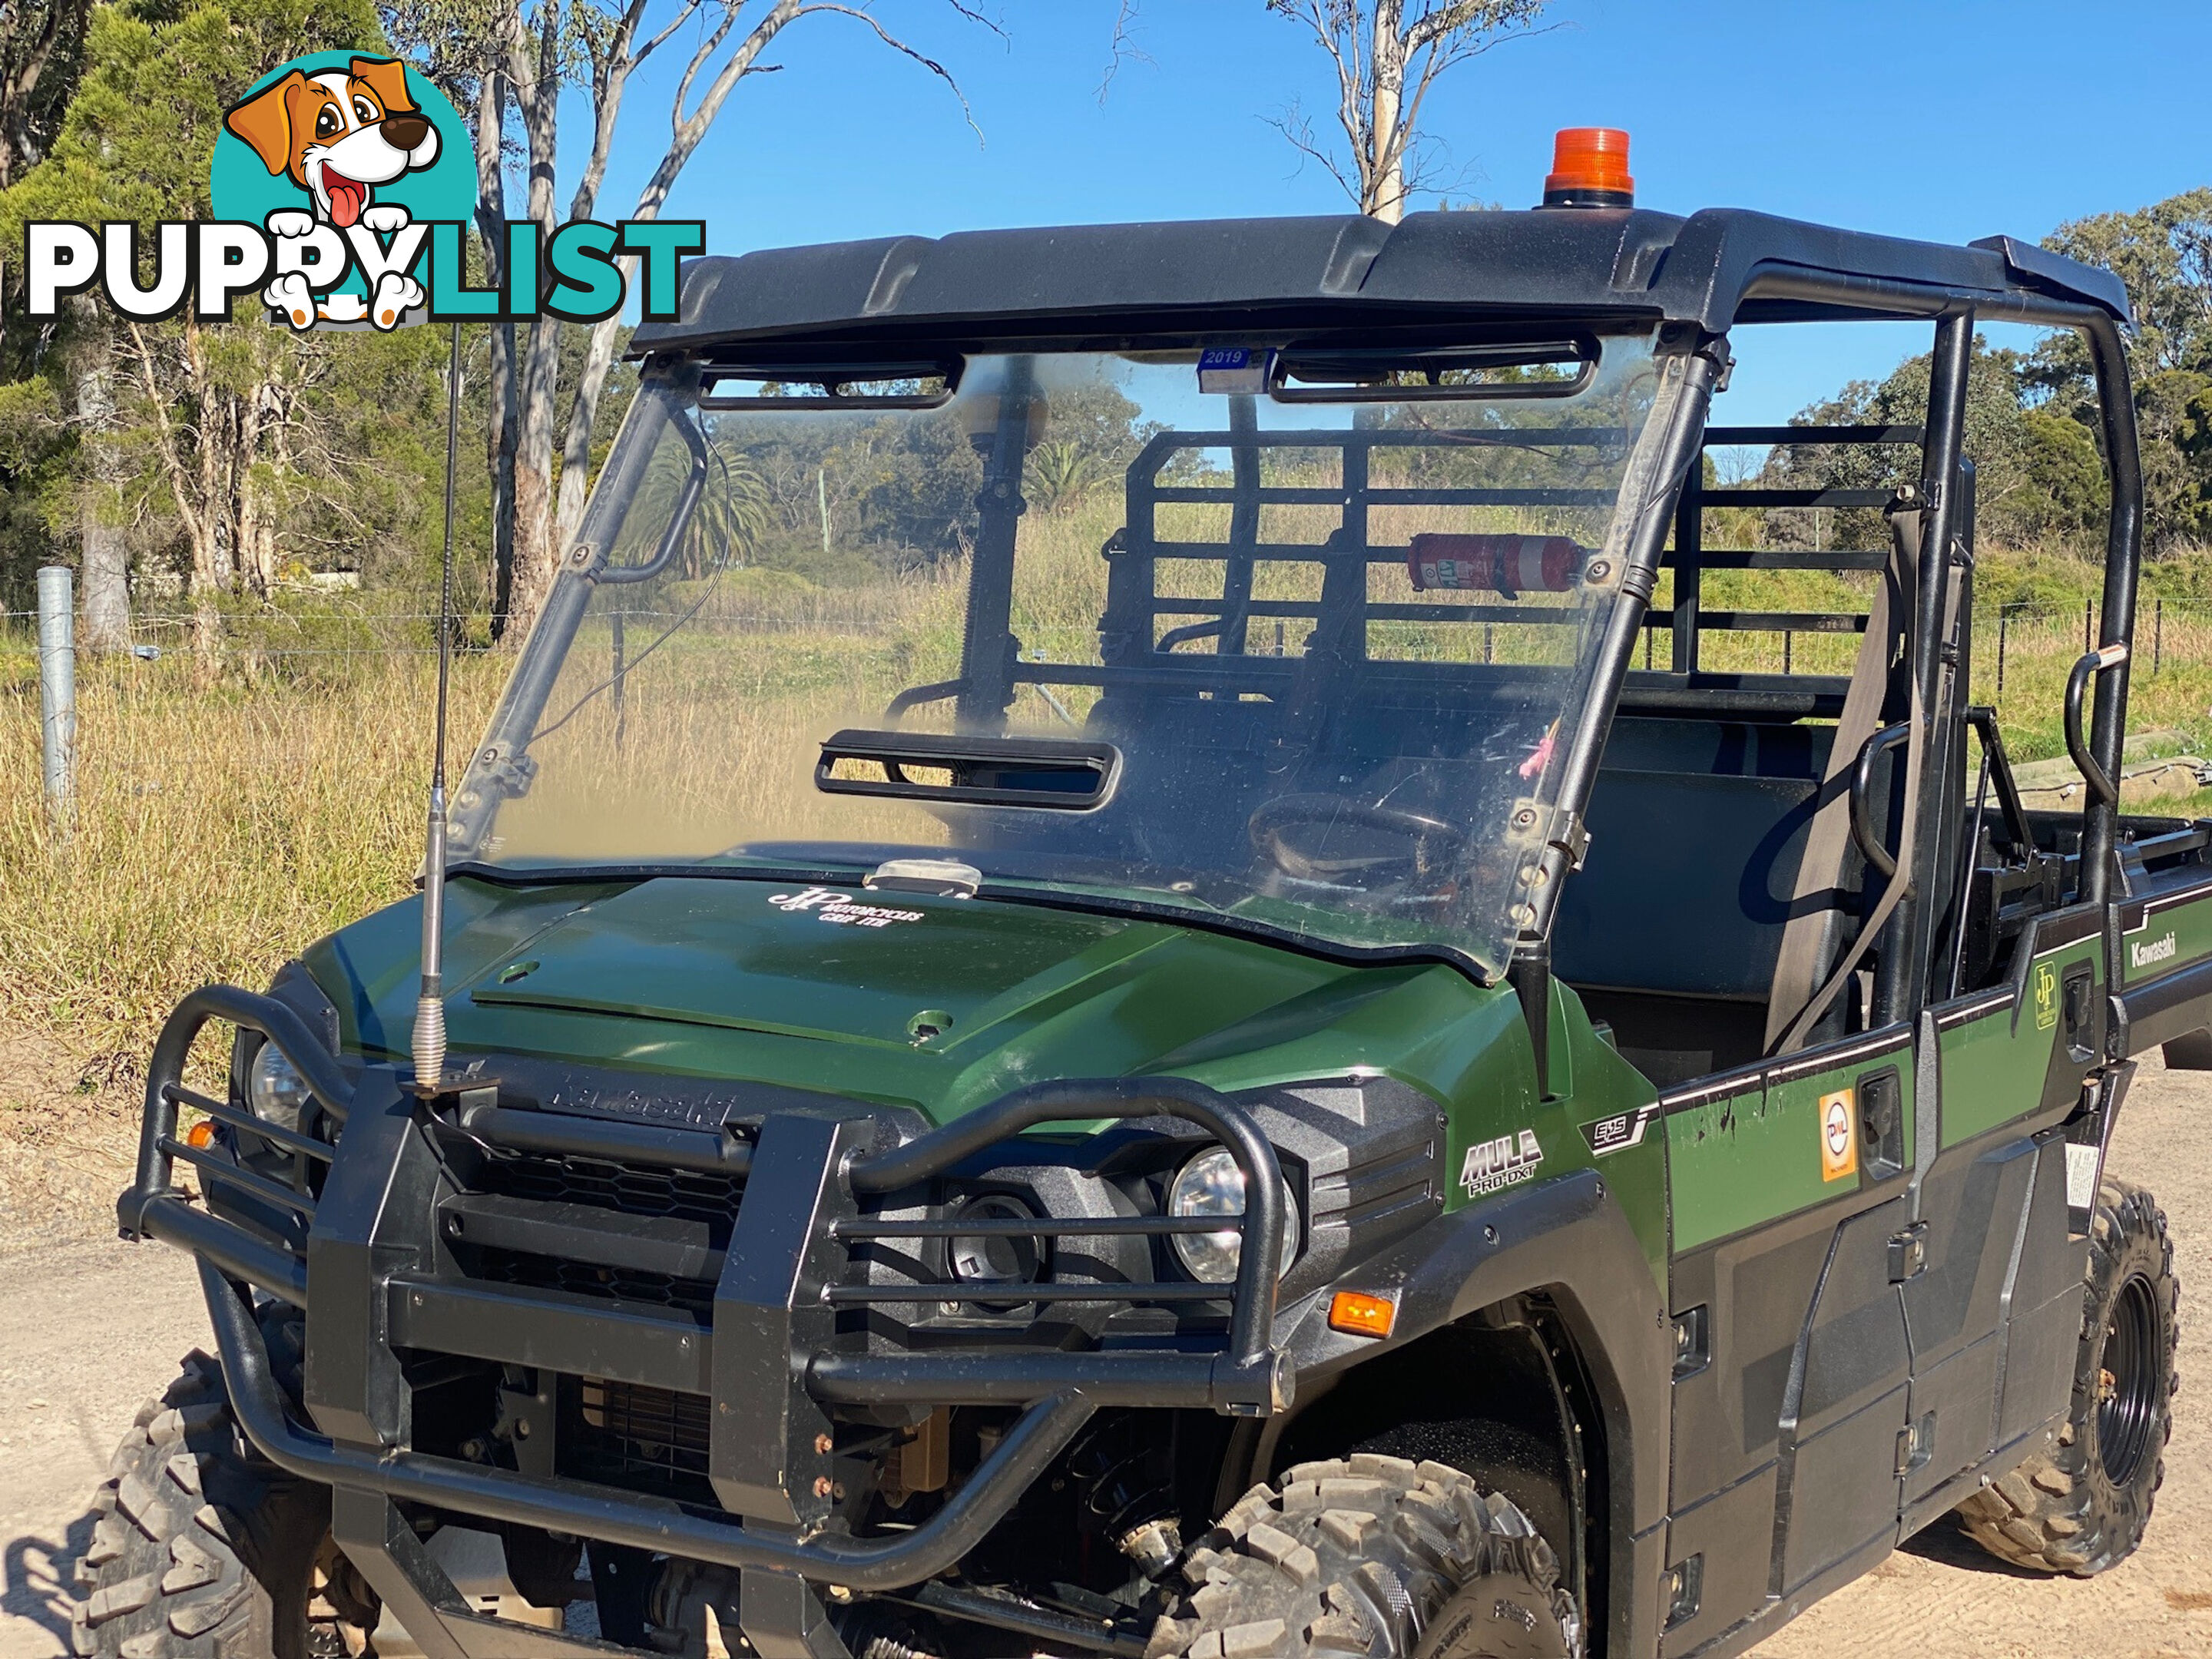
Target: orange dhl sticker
{"x":1839,"y":1142}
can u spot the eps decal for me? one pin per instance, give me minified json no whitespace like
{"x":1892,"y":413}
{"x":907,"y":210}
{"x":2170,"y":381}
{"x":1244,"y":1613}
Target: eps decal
{"x":1611,"y":1134}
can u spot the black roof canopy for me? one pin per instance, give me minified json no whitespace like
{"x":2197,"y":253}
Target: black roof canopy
{"x":1194,"y":280}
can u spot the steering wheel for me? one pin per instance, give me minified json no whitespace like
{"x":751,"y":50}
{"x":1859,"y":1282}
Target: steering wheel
{"x":1432,"y":849}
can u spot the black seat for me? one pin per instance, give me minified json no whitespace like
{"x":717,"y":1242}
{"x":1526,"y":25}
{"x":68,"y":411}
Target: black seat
{"x":1672,"y":927}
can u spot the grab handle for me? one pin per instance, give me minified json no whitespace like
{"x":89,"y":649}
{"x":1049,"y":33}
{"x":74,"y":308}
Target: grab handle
{"x":1862,"y":786}
{"x":2091,"y":664}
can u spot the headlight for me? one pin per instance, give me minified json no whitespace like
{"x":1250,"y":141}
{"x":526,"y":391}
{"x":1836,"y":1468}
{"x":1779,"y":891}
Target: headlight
{"x":994,"y":1261}
{"x":275,"y":1088}
{"x":1210,"y":1184}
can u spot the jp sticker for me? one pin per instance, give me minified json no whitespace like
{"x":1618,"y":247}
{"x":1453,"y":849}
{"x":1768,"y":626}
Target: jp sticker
{"x":1505,"y":1162}
{"x":1839,"y":1145}
{"x":2046,"y":995}
{"x":829,"y":905}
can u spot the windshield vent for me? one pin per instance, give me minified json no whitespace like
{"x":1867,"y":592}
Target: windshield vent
{"x":1520,"y":368}
{"x":863,"y":386}
{"x":1058,"y":775}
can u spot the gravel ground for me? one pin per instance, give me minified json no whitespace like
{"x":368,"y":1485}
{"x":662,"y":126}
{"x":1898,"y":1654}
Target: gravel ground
{"x":88,"y":1328}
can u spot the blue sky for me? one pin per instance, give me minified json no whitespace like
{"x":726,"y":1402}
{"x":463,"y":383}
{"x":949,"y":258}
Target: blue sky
{"x":1948,"y":119}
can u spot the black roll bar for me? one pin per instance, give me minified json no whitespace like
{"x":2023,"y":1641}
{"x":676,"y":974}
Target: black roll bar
{"x":2123,"y":530}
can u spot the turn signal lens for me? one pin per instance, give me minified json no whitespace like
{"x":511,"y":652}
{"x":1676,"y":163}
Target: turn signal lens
{"x":1356,"y":1313}
{"x":1590,"y":168}
{"x":200,"y":1136}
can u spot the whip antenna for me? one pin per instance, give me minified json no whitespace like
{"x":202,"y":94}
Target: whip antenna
{"x":430,"y":1001}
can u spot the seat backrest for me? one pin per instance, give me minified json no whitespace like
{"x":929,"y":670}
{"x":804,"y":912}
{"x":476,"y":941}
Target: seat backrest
{"x":1697,"y":828}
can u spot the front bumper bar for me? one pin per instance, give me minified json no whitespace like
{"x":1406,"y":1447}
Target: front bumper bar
{"x":1040,"y":1435}
{"x":357,"y":1254}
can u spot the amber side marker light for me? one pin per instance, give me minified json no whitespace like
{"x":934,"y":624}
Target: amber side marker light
{"x":201,"y":1135}
{"x":1356,"y":1313}
{"x":1590,"y":168}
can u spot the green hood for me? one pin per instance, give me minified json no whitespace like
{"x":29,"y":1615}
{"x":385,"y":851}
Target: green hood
{"x":942,"y":1003}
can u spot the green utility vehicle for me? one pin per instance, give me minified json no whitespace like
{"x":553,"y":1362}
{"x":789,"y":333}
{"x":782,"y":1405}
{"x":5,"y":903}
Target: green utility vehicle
{"x":1351,"y":1071}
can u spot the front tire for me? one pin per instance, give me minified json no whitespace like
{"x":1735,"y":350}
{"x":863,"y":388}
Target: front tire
{"x":1376,"y":1556}
{"x":202,"y":1550}
{"x":2082,"y":1506}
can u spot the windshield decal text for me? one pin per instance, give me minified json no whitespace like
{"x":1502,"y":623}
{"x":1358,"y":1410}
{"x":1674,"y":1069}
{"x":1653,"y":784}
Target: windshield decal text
{"x":828,"y":904}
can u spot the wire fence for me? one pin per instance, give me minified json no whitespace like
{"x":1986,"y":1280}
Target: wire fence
{"x":2181,"y":622}
{"x":276,"y":636}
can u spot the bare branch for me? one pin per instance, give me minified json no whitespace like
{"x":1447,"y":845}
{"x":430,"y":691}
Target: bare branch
{"x":1122,"y":48}
{"x":967,"y":113}
{"x":1386,"y":64}
{"x":706,"y":50}
{"x":682,"y":16}
{"x":1294,"y":126}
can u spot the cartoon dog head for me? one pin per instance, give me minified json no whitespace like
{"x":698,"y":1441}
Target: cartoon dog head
{"x":338,"y":133}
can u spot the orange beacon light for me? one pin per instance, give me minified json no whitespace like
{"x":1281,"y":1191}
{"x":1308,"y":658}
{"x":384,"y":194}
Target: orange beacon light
{"x":1590,"y":168}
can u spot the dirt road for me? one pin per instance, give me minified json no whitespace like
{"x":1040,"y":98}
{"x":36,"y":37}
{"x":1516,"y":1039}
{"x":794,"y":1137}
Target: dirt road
{"x":88,"y":1330}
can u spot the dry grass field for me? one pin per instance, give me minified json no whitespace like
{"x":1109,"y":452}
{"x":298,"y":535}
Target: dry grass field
{"x":233,"y":807}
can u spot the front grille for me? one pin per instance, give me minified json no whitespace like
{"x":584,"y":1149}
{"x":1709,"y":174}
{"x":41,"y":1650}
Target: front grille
{"x":630,"y":1188}
{"x":547,"y":1273}
{"x":639,"y":1438}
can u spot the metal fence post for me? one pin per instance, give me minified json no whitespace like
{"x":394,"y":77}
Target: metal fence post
{"x":2157,"y":634}
{"x":2004,"y":618}
{"x":2088,"y":625}
{"x":58,"y":690}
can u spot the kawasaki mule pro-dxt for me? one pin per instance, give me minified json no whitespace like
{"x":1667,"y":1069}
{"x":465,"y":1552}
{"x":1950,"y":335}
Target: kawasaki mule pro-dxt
{"x":1135,"y":969}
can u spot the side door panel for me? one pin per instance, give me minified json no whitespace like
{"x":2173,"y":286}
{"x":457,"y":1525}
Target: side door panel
{"x":2043,"y":1306}
{"x":1781,"y":1271}
{"x":1954,"y":1308}
{"x":1840,"y":1469}
{"x":1993,"y":1317}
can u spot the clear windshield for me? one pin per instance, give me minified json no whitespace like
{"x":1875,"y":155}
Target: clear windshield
{"x":1298,"y":653}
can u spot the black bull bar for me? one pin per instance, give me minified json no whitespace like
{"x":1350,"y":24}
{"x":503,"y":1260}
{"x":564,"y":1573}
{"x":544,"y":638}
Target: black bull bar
{"x":356,"y":1255}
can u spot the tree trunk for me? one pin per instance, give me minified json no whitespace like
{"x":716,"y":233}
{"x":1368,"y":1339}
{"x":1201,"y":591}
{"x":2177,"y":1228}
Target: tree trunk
{"x":1383,"y":168}
{"x":499,"y":380}
{"x":499,"y":447}
{"x":104,"y":557}
{"x":536,"y":550}
{"x":262,"y":421}
{"x":583,"y":416}
{"x":206,"y":515}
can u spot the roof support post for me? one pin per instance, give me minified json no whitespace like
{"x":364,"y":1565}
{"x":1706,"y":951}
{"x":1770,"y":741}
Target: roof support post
{"x":2123,"y":557}
{"x":987,"y":649}
{"x":1668,"y":453}
{"x":1902,"y":982}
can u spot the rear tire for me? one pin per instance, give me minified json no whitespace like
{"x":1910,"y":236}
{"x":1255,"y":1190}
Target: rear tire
{"x":1376,"y":1556}
{"x":202,"y":1549}
{"x":2082,"y":1506}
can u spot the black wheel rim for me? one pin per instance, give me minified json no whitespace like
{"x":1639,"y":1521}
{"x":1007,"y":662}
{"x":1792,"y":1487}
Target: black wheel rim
{"x":2127,"y":1382}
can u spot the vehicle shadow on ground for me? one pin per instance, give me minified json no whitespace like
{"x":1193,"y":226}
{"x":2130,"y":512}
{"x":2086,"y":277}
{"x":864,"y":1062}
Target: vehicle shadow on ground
{"x":1942,"y":1543}
{"x":35,"y":1574}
